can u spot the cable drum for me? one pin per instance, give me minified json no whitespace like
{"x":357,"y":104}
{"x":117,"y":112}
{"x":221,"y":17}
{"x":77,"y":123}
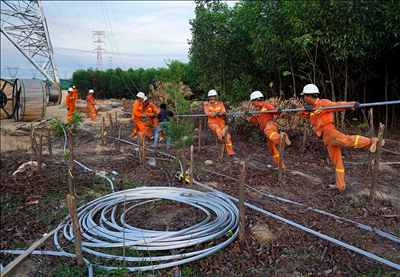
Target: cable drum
{"x":100,"y":225}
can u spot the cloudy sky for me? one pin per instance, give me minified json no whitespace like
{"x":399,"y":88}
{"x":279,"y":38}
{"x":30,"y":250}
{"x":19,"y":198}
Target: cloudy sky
{"x":138,"y":34}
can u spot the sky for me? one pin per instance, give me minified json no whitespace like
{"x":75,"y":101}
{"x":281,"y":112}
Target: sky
{"x":138,"y":34}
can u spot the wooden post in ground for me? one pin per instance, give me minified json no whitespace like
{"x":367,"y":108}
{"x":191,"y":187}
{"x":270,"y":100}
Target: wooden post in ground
{"x":119,"y":138}
{"x":371,"y":122}
{"x":303,"y":145}
{"x":224,"y":140}
{"x":241,"y":202}
{"x":139,"y":150}
{"x":39,"y":153}
{"x":71,"y":164}
{"x":200,"y":124}
{"x":77,"y":231}
{"x":144,"y":150}
{"x":376,"y":165}
{"x":32,"y":131}
{"x":49,"y":142}
{"x":184,"y":161}
{"x":123,"y":230}
{"x":102,"y":132}
{"x":281,"y":150}
{"x":191,"y":167}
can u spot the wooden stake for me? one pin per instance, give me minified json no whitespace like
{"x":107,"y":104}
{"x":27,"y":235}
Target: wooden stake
{"x":144,"y":150}
{"x":49,"y":143}
{"x":200,"y":124}
{"x":224,"y":140}
{"x":281,"y":149}
{"x":241,"y":201}
{"x":102,"y":132}
{"x":123,"y":230}
{"x":191,"y":167}
{"x":371,"y":122}
{"x":76,"y":228}
{"x":119,"y":138}
{"x":184,"y":161}
{"x":303,"y":146}
{"x":71,"y":164}
{"x":32,"y":135}
{"x":39,"y":153}
{"x":139,"y":150}
{"x":376,"y":165}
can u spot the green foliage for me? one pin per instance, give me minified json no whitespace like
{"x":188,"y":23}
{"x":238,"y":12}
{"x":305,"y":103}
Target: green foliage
{"x":76,"y":120}
{"x":57,"y":126}
{"x":178,"y":130}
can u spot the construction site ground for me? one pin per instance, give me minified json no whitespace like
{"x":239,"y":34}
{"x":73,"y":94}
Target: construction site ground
{"x":281,"y":250}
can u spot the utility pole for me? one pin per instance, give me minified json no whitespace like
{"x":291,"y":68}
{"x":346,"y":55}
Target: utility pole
{"x":13,"y":71}
{"x":99,"y":65}
{"x":110,"y":61}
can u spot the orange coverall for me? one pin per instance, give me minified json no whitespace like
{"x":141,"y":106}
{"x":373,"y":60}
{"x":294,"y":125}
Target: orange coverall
{"x":269,"y":127}
{"x":70,"y":103}
{"x":75,"y":94}
{"x":321,"y":121}
{"x":149,"y":110}
{"x":217,"y":124}
{"x":137,"y":114}
{"x":90,"y":109}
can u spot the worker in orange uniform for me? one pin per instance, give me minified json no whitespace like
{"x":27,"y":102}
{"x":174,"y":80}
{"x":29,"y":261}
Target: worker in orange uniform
{"x":70,"y":103}
{"x":267,"y":123}
{"x":216,"y":114}
{"x":90,"y":109}
{"x":151,"y":111}
{"x":137,"y":115}
{"x":322,"y":122}
{"x":75,"y":94}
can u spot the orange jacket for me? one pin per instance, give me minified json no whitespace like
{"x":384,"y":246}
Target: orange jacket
{"x":75,"y":94}
{"x":263,"y":118}
{"x":322,"y":120}
{"x":70,"y":101}
{"x":212,"y":109}
{"x":90,"y":99}
{"x":137,"y":111}
{"x":150,"y":109}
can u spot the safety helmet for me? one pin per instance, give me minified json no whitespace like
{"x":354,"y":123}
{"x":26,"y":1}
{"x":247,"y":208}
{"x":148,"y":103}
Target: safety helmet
{"x":140,"y":95}
{"x":144,"y":99}
{"x":91,"y":91}
{"x":70,"y":89}
{"x":310,"y":89}
{"x":212,"y":93}
{"x":256,"y":94}
{"x":73,"y":86}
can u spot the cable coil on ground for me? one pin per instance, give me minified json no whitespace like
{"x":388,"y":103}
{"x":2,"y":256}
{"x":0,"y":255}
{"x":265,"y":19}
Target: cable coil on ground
{"x":109,"y":228}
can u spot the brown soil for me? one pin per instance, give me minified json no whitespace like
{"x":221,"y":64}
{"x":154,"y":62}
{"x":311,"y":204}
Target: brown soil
{"x":307,"y":176}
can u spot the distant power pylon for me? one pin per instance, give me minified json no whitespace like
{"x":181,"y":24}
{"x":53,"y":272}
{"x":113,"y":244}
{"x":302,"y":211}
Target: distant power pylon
{"x":65,"y":74}
{"x":13,"y":71}
{"x":33,"y":71}
{"x":110,"y":62}
{"x":80,"y":66}
{"x":99,"y":49}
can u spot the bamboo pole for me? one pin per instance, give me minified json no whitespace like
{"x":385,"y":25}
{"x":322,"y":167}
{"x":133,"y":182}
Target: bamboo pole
{"x":200,"y":124}
{"x":76,"y":228}
{"x":241,"y":202}
{"x":191,"y":167}
{"x":49,"y":143}
{"x":102,"y":132}
{"x":184,"y":161}
{"x":144,"y":150}
{"x":71,"y":164}
{"x":281,"y":147}
{"x":376,"y":165}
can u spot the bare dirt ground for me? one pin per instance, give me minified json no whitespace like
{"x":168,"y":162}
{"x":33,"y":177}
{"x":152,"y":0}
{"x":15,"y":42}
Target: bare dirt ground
{"x":293,"y":252}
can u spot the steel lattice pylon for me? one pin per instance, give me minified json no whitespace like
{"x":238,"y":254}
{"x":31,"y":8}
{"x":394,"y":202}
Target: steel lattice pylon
{"x":23,"y":23}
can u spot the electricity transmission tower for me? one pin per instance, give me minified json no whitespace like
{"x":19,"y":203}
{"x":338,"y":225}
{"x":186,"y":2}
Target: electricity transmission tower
{"x":65,"y":74}
{"x":23,"y":23}
{"x":33,"y":71}
{"x":99,"y":49}
{"x":13,"y":71}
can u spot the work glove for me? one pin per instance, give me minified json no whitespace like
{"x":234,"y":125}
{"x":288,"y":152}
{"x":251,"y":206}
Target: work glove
{"x":217,"y":114}
{"x":154,"y":115}
{"x":247,"y":113}
{"x":279,"y":111}
{"x":357,"y":106}
{"x":308,"y":108}
{"x":67,"y":109}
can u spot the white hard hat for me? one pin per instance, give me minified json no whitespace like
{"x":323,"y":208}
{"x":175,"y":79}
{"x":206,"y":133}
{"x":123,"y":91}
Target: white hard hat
{"x":91,"y":91}
{"x":140,"y":95}
{"x":144,"y":99}
{"x":310,"y":89}
{"x":212,"y":93}
{"x":70,"y":89}
{"x":256,"y":94}
{"x":73,"y":86}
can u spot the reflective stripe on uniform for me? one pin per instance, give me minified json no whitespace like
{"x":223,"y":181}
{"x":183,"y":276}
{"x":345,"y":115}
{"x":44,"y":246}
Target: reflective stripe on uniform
{"x":210,"y":108}
{"x":228,"y":144}
{"x":218,"y":108}
{"x":276,"y":156}
{"x":340,"y":170}
{"x":218,"y":130}
{"x":272,"y":135}
{"x":314,"y":112}
{"x":264,"y":109}
{"x":147,"y":127}
{"x":355,"y":145}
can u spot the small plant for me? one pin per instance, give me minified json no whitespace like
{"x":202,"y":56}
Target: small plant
{"x":65,"y":154}
{"x":57,"y":126}
{"x":177,"y":131}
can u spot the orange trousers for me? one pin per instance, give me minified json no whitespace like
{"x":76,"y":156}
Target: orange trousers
{"x":151,"y":121}
{"x":217,"y":129}
{"x":271,"y":131}
{"x":69,"y":116}
{"x":333,"y":139}
{"x":92,"y":112}
{"x":139,"y":127}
